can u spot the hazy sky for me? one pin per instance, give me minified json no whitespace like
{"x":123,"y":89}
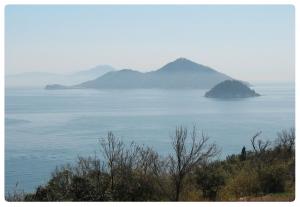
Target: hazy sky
{"x":245,"y":42}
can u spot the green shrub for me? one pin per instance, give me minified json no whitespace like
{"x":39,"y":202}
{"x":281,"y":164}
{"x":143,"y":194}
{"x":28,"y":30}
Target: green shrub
{"x":210,"y":178}
{"x":272,"y":179}
{"x":244,"y":183}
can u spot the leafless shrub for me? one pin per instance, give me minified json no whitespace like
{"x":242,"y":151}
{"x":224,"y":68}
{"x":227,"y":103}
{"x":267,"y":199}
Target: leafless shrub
{"x":258,"y":145}
{"x":188,"y":155}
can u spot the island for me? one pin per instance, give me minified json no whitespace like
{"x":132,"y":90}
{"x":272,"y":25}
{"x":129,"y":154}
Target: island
{"x":178,"y":74}
{"x":231,"y":89}
{"x":56,"y":87}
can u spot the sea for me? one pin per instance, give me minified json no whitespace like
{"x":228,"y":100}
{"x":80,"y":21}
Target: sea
{"x":49,"y":128}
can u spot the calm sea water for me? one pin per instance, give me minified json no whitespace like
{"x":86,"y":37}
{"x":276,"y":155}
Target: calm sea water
{"x":45,"y":128}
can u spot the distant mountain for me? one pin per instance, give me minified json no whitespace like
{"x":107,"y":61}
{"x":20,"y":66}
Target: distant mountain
{"x":179,"y":74}
{"x":94,"y":72}
{"x":40,"y":79}
{"x":231,"y":89}
{"x":33,"y":79}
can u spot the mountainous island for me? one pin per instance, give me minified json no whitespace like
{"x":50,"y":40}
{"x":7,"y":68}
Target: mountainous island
{"x":231,"y":89}
{"x":179,"y":74}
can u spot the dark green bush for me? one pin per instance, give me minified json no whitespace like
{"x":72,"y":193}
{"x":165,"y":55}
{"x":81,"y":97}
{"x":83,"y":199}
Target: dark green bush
{"x":272,"y":179}
{"x":210,"y":178}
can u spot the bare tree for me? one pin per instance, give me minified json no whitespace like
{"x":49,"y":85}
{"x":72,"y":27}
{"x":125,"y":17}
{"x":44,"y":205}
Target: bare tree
{"x":259,"y":146}
{"x":128,"y":158}
{"x":147,"y":160}
{"x":112,"y":150}
{"x":121,"y":161}
{"x":261,"y":152}
{"x":286,"y":139}
{"x":188,"y":155}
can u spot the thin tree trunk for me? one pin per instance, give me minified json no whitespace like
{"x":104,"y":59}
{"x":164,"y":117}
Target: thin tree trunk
{"x":178,"y":189}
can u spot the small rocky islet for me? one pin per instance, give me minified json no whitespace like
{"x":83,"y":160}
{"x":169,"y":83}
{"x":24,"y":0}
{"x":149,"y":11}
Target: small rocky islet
{"x":231,"y":89}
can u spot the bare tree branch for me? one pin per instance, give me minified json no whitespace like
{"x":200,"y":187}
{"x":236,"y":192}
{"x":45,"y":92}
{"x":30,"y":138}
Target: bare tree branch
{"x":188,"y":155}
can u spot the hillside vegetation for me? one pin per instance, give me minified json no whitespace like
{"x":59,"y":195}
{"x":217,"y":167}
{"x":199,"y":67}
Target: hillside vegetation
{"x":266,"y":172}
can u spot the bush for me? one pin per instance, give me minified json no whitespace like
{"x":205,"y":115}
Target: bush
{"x":244,"y":183}
{"x":210,"y":178}
{"x":272,"y":179}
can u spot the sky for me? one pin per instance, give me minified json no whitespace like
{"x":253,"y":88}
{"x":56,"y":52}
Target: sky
{"x":252,"y":43}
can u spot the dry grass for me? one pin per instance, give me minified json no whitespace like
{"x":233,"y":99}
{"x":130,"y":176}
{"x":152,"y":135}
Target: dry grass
{"x":286,"y":197}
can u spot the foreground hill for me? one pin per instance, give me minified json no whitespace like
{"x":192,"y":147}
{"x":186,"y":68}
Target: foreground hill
{"x":231,"y":89}
{"x":179,"y":74}
{"x":193,"y":172}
